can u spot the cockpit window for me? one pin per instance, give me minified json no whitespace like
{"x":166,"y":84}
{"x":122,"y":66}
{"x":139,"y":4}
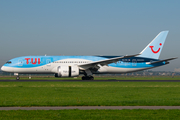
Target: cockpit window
{"x":8,"y":62}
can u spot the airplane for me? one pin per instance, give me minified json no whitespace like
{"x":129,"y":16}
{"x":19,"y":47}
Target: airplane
{"x":73,"y":66}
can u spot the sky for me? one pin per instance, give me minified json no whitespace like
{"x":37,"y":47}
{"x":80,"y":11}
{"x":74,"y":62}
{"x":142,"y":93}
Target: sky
{"x":88,"y":27}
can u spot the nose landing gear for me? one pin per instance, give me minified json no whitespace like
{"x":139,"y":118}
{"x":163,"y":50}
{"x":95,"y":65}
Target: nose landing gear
{"x":17,"y":78}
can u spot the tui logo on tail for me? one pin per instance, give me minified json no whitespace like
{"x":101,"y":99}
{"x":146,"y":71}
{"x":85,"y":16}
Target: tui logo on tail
{"x":155,"y":51}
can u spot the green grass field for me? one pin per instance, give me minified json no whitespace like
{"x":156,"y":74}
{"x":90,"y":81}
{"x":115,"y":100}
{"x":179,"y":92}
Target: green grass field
{"x":89,"y":93}
{"x":91,"y":115}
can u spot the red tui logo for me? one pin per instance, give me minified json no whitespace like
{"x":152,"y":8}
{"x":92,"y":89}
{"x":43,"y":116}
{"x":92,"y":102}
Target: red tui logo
{"x":32,"y":61}
{"x":155,"y":51}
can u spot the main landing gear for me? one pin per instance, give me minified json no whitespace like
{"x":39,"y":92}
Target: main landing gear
{"x":87,"y":78}
{"x":87,"y":75}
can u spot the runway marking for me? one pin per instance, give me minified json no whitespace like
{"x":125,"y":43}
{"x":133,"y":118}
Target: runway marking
{"x":91,"y":107}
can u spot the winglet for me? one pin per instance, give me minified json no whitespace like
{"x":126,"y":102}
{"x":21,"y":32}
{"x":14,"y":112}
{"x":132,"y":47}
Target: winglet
{"x":127,"y":56}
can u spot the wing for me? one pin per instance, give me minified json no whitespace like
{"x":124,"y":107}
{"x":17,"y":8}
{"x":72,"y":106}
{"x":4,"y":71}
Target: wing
{"x":165,"y":60}
{"x":104,"y":62}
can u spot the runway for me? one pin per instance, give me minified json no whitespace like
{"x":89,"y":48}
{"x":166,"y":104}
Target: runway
{"x":89,"y":80}
{"x":91,"y":108}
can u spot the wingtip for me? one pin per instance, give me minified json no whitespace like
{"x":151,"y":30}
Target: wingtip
{"x":133,"y":55}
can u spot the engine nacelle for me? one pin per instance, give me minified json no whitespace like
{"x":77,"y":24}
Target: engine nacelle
{"x":67,"y":71}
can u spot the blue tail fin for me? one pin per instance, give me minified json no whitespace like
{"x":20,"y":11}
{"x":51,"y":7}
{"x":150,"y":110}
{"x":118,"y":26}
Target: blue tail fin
{"x":154,"y":48}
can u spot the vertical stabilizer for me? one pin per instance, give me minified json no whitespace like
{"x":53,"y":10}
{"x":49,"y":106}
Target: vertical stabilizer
{"x":154,"y":48}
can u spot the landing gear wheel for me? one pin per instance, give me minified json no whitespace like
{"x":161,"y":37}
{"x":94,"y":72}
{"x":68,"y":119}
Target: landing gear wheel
{"x":91,"y":78}
{"x":83,"y":78}
{"x":17,"y":78}
{"x":87,"y":78}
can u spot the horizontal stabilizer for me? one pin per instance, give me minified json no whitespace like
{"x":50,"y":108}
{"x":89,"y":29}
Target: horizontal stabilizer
{"x":165,"y":60}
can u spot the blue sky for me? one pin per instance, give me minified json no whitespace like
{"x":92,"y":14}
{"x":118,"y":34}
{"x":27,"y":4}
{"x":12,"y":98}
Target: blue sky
{"x":82,"y":27}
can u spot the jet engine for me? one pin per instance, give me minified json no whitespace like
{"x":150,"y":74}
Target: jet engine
{"x":67,"y":71}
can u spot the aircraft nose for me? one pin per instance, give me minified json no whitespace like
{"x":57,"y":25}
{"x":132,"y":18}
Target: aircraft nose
{"x":7,"y":69}
{"x":2,"y":68}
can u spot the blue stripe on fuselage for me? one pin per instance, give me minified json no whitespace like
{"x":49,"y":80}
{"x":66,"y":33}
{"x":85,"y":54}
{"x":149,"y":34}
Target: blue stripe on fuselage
{"x":133,"y":62}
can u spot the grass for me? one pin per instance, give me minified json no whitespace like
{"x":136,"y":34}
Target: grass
{"x":89,"y":93}
{"x":97,"y":78}
{"x":91,"y":114}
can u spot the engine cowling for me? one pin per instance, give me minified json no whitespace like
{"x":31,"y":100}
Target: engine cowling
{"x":67,"y":71}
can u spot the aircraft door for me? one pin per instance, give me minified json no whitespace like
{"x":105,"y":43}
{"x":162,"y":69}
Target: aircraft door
{"x":48,"y":62}
{"x":134,"y":62}
{"x":20,"y":62}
